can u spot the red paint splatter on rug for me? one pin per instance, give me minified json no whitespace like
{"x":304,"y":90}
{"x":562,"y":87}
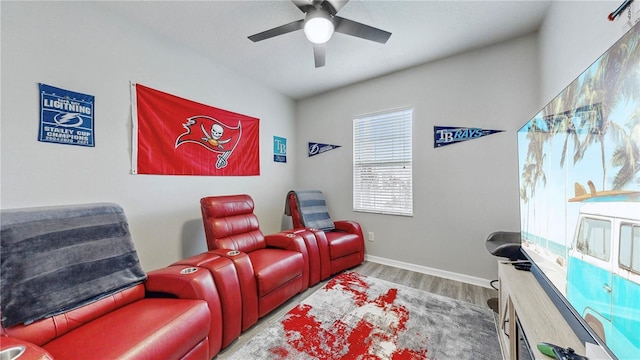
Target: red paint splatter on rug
{"x":279,"y":352}
{"x":305,"y":333}
{"x":406,"y":354}
{"x":339,"y":340}
{"x":350,"y":282}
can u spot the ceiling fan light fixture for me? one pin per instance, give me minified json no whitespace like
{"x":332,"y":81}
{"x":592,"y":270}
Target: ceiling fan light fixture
{"x":318,"y":26}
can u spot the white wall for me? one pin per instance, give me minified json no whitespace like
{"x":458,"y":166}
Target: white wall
{"x":573,"y":36}
{"x":81,"y":47}
{"x":462,"y":192}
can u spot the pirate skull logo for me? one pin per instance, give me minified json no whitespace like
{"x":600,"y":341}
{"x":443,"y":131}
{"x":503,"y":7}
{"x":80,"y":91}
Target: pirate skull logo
{"x":213,"y":139}
{"x":216,"y":131}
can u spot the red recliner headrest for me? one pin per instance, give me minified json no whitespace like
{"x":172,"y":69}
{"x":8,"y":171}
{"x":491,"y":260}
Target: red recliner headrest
{"x":229,"y":223}
{"x":228,"y":205}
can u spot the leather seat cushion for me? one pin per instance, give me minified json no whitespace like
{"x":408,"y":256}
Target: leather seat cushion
{"x":151,"y":328}
{"x":46,"y":330}
{"x":275,"y":267}
{"x":342,"y":243}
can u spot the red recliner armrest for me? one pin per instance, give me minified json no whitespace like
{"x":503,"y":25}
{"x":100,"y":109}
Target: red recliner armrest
{"x":323,"y":249}
{"x":318,"y":249}
{"x":348,"y":226}
{"x":287,"y":241}
{"x":291,"y":241}
{"x":225,"y":277}
{"x":31,"y":350}
{"x":248,"y":287}
{"x":353,"y":228}
{"x":187,"y":282}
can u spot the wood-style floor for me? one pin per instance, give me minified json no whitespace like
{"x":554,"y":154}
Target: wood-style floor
{"x":437,"y":285}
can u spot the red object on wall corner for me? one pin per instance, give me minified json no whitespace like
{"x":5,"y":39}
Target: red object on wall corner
{"x":619,"y":10}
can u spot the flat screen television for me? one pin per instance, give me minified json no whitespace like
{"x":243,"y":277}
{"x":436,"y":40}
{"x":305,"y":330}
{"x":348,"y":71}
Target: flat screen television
{"x":579,"y":172}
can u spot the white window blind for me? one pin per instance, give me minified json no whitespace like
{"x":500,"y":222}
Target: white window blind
{"x":382,"y":163}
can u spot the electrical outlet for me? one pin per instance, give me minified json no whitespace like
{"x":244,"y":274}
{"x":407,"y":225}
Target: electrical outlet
{"x":371,"y":237}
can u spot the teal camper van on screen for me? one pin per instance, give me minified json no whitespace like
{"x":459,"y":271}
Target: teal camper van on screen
{"x":603,"y":273}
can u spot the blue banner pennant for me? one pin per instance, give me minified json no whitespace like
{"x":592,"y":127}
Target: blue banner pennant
{"x":447,"y":135}
{"x":318,"y":148}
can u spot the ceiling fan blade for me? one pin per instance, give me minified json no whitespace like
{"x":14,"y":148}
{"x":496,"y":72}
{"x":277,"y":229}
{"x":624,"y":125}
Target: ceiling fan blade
{"x":303,"y":5}
{"x":319,"y":52}
{"x":286,"y":28}
{"x":353,"y":28}
{"x":333,"y":6}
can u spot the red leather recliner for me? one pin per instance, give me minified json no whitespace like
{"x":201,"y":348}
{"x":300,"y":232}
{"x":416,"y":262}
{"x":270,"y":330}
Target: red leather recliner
{"x":130,"y":324}
{"x":72,"y":288}
{"x":341,"y":241}
{"x":271,"y":269}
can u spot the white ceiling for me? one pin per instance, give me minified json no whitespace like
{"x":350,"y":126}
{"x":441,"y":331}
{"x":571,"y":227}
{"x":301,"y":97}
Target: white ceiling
{"x":422,"y":31}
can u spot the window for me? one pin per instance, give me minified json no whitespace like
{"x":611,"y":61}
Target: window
{"x":594,"y":238}
{"x":630,"y":247}
{"x":382,"y":161}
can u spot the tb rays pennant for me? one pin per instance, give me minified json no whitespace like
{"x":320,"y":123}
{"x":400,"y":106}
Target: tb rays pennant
{"x":176,"y":136}
{"x":447,"y":135}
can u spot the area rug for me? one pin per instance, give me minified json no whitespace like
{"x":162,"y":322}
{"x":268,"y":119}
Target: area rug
{"x":354,"y":316}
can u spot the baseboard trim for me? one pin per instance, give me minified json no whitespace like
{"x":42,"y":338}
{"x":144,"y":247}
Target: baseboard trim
{"x":473,"y":280}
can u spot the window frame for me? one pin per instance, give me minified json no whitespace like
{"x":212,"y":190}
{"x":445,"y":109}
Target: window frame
{"x":587,"y":237}
{"x":395,"y":163}
{"x":633,"y":243}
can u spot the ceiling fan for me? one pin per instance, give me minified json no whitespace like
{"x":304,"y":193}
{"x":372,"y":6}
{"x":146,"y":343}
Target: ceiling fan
{"x":319,"y":24}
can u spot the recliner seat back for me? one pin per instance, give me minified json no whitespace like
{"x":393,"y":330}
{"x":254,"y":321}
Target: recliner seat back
{"x":229,"y":223}
{"x":308,"y":209}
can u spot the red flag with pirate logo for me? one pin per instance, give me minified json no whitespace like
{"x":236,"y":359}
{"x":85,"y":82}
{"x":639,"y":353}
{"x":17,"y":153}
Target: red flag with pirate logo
{"x":176,"y":136}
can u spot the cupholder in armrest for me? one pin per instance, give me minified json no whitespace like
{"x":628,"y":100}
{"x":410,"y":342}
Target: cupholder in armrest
{"x":12,"y":353}
{"x":189,"y":270}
